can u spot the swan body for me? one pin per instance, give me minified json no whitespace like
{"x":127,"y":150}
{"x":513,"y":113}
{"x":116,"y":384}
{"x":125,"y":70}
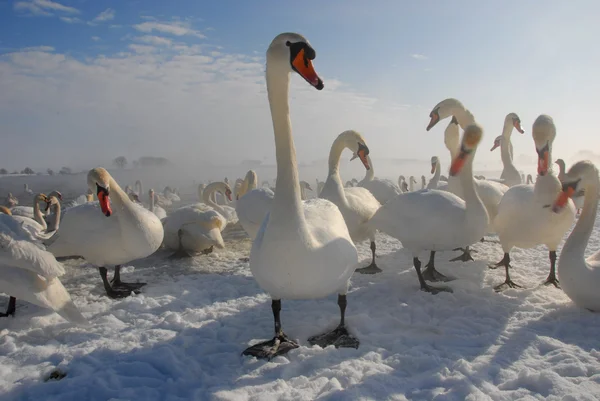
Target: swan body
{"x":200,"y":227}
{"x":30,"y":273}
{"x":510,"y":175}
{"x":436,"y":168}
{"x":580,"y":276}
{"x":382,"y":190}
{"x":524,"y":218}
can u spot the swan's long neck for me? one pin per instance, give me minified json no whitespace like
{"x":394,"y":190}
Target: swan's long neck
{"x":119,"y":199}
{"x":152,"y":202}
{"x":561,"y":170}
{"x":505,"y":148}
{"x":412,"y":186}
{"x":56,"y":221}
{"x":209,"y":194}
{"x":578,"y":240}
{"x":334,"y":179}
{"x":252,"y":183}
{"x":436,"y":176}
{"x":37,"y":214}
{"x":370,"y":174}
{"x":473,"y":203}
{"x":287,"y":205}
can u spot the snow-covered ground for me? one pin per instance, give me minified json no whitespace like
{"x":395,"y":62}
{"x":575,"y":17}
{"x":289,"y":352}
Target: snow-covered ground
{"x":182,"y":337}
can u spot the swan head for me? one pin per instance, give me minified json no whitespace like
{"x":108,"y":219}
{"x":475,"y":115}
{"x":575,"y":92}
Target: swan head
{"x":412,"y":179}
{"x":423,"y":179}
{"x":543,"y":132}
{"x":514,"y":120}
{"x":52,"y":202}
{"x":221,"y":187}
{"x":497,"y":143}
{"x":434,"y":162}
{"x":292,"y":52}
{"x":356,"y":143}
{"x":581,"y":175}
{"x":99,"y":180}
{"x":444,"y":109}
{"x":57,"y":194}
{"x":561,"y":164}
{"x":305,"y":185}
{"x":470,"y":140}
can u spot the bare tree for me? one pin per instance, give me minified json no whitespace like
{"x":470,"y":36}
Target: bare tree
{"x":65,"y":171}
{"x":3,"y":171}
{"x":120,"y":162}
{"x":28,"y":171}
{"x":50,"y":171}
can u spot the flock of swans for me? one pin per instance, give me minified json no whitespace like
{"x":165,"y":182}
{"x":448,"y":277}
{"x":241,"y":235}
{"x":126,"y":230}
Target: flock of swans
{"x":305,"y":249}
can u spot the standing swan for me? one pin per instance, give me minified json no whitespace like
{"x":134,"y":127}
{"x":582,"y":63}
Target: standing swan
{"x":580,"y":277}
{"x":110,"y":232}
{"x":434,"y":220}
{"x":303,"y":249}
{"x":510,"y":175}
{"x":383,"y":190}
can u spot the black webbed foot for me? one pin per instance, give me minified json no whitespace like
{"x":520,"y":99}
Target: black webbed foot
{"x":552,"y":280}
{"x":508,"y":283}
{"x":435,"y":290}
{"x":279,"y":345}
{"x":340,"y":337}
{"x":465,"y":257}
{"x":371,"y":269}
{"x":431,"y":274}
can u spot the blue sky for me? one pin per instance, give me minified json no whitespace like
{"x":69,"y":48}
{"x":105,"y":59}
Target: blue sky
{"x":86,"y":81}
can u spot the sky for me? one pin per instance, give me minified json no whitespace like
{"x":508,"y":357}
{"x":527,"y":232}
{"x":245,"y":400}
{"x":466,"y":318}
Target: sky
{"x":82,"y":82}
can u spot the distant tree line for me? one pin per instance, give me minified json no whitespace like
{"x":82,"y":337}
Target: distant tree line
{"x":144,"y":161}
{"x":29,"y":171}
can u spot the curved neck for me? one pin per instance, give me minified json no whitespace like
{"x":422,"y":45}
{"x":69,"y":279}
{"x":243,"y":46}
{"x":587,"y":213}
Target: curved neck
{"x":463,"y":116}
{"x":561,"y":170}
{"x":118,"y":197}
{"x":370,"y":174}
{"x":152,"y":201}
{"x":333,"y":185}
{"x":56,"y":220}
{"x":412,"y":186}
{"x":302,"y":192}
{"x":436,"y":175}
{"x":473,"y":203}
{"x":286,"y":203}
{"x":578,"y":240}
{"x":452,"y":140}
{"x":505,"y":154}
{"x":37,"y":214}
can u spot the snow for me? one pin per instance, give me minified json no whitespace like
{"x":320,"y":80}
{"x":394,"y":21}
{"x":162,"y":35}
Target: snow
{"x":182,"y":337}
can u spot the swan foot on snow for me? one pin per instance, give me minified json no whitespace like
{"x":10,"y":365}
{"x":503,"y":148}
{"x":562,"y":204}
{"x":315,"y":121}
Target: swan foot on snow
{"x":508,"y":283}
{"x":119,"y":289}
{"x":552,"y":276}
{"x":10,"y":309}
{"x":431,"y":274}
{"x":279,"y":345}
{"x":372,"y":268}
{"x":339,"y":337}
{"x":424,"y":286}
{"x":466,"y":256}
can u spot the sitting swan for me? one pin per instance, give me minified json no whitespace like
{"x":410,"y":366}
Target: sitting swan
{"x":110,"y":232}
{"x":382,"y":190}
{"x":434,"y":220}
{"x":30,"y":273}
{"x":524,"y":218}
{"x":303,"y":249}
{"x":154,"y":208}
{"x":580,"y":277}
{"x":357,"y":204}
{"x":226,"y":211}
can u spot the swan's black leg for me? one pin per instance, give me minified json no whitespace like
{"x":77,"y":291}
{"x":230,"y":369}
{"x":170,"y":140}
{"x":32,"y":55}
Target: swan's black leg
{"x":424,"y":286}
{"x":339,"y":337}
{"x":111,"y":291}
{"x":180,"y":253}
{"x":10,"y":309}
{"x":508,"y":283}
{"x":116,"y":281}
{"x":552,"y":276}
{"x":430,"y":273}
{"x":466,"y":256}
{"x":372,"y":268}
{"x":279,"y":345}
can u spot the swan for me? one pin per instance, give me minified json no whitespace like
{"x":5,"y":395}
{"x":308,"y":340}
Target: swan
{"x":357,"y":204}
{"x":580,"y":277}
{"x":303,"y":249}
{"x":37,"y":225}
{"x":524,"y":218}
{"x":30,"y":273}
{"x":423,"y":182}
{"x":110,"y":232}
{"x":157,"y":210}
{"x":171,"y":195}
{"x":382,"y":190}
{"x":578,"y":197}
{"x":402,"y":184}
{"x":437,"y":220}
{"x":435,"y":170}
{"x":194,"y":228}
{"x":226,"y":211}
{"x":28,"y":211}
{"x":238,"y":188}
{"x":303,"y":187}
{"x":201,"y":188}
{"x":529,"y":179}
{"x":11,"y":200}
{"x":412,"y":182}
{"x":490,"y":192}
{"x":320,"y":185}
{"x":510,"y":175}
{"x":26,"y":190}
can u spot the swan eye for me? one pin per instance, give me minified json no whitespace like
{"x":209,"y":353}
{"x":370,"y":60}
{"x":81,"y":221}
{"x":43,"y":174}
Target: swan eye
{"x":100,"y":189}
{"x":570,"y":187}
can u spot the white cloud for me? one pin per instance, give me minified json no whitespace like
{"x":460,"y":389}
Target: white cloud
{"x":71,"y":20}
{"x":42,"y":7}
{"x":154,"y":40}
{"x":96,"y":38}
{"x":38,"y":49}
{"x":417,"y":56}
{"x":106,"y":15}
{"x":189,"y":104}
{"x":175,"y":28}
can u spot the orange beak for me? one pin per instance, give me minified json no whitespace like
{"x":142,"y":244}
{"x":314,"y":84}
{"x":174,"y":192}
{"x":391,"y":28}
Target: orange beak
{"x":517,"y":125}
{"x":228,"y":195}
{"x":362,"y":155}
{"x":304,"y":67}
{"x":458,"y":163}
{"x":496,"y":144}
{"x":104,"y":203}
{"x":562,"y":199}
{"x":543,"y":163}
{"x":435,"y":118}
{"x":432,"y":168}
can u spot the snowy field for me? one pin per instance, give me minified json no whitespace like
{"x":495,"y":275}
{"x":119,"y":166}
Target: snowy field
{"x":181,"y":338}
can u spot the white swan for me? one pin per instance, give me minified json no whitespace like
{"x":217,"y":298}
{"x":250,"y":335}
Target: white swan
{"x":578,"y":197}
{"x":411,"y":183}
{"x":226,"y":211}
{"x":423,"y":182}
{"x":30,"y":273}
{"x":437,"y":220}
{"x":11,"y":201}
{"x":109,"y":232}
{"x":580,"y":277}
{"x":436,"y":168}
{"x":253,"y":207}
{"x":529,"y":179}
{"x":28,"y":211}
{"x":37,"y":225}
{"x":194,"y":228}
{"x":490,"y":192}
{"x":303,"y":249}
{"x":26,"y":190}
{"x":154,"y":208}
{"x":524,"y":218}
{"x":383,"y":190}
{"x":357,"y":204}
{"x":510,"y":175}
